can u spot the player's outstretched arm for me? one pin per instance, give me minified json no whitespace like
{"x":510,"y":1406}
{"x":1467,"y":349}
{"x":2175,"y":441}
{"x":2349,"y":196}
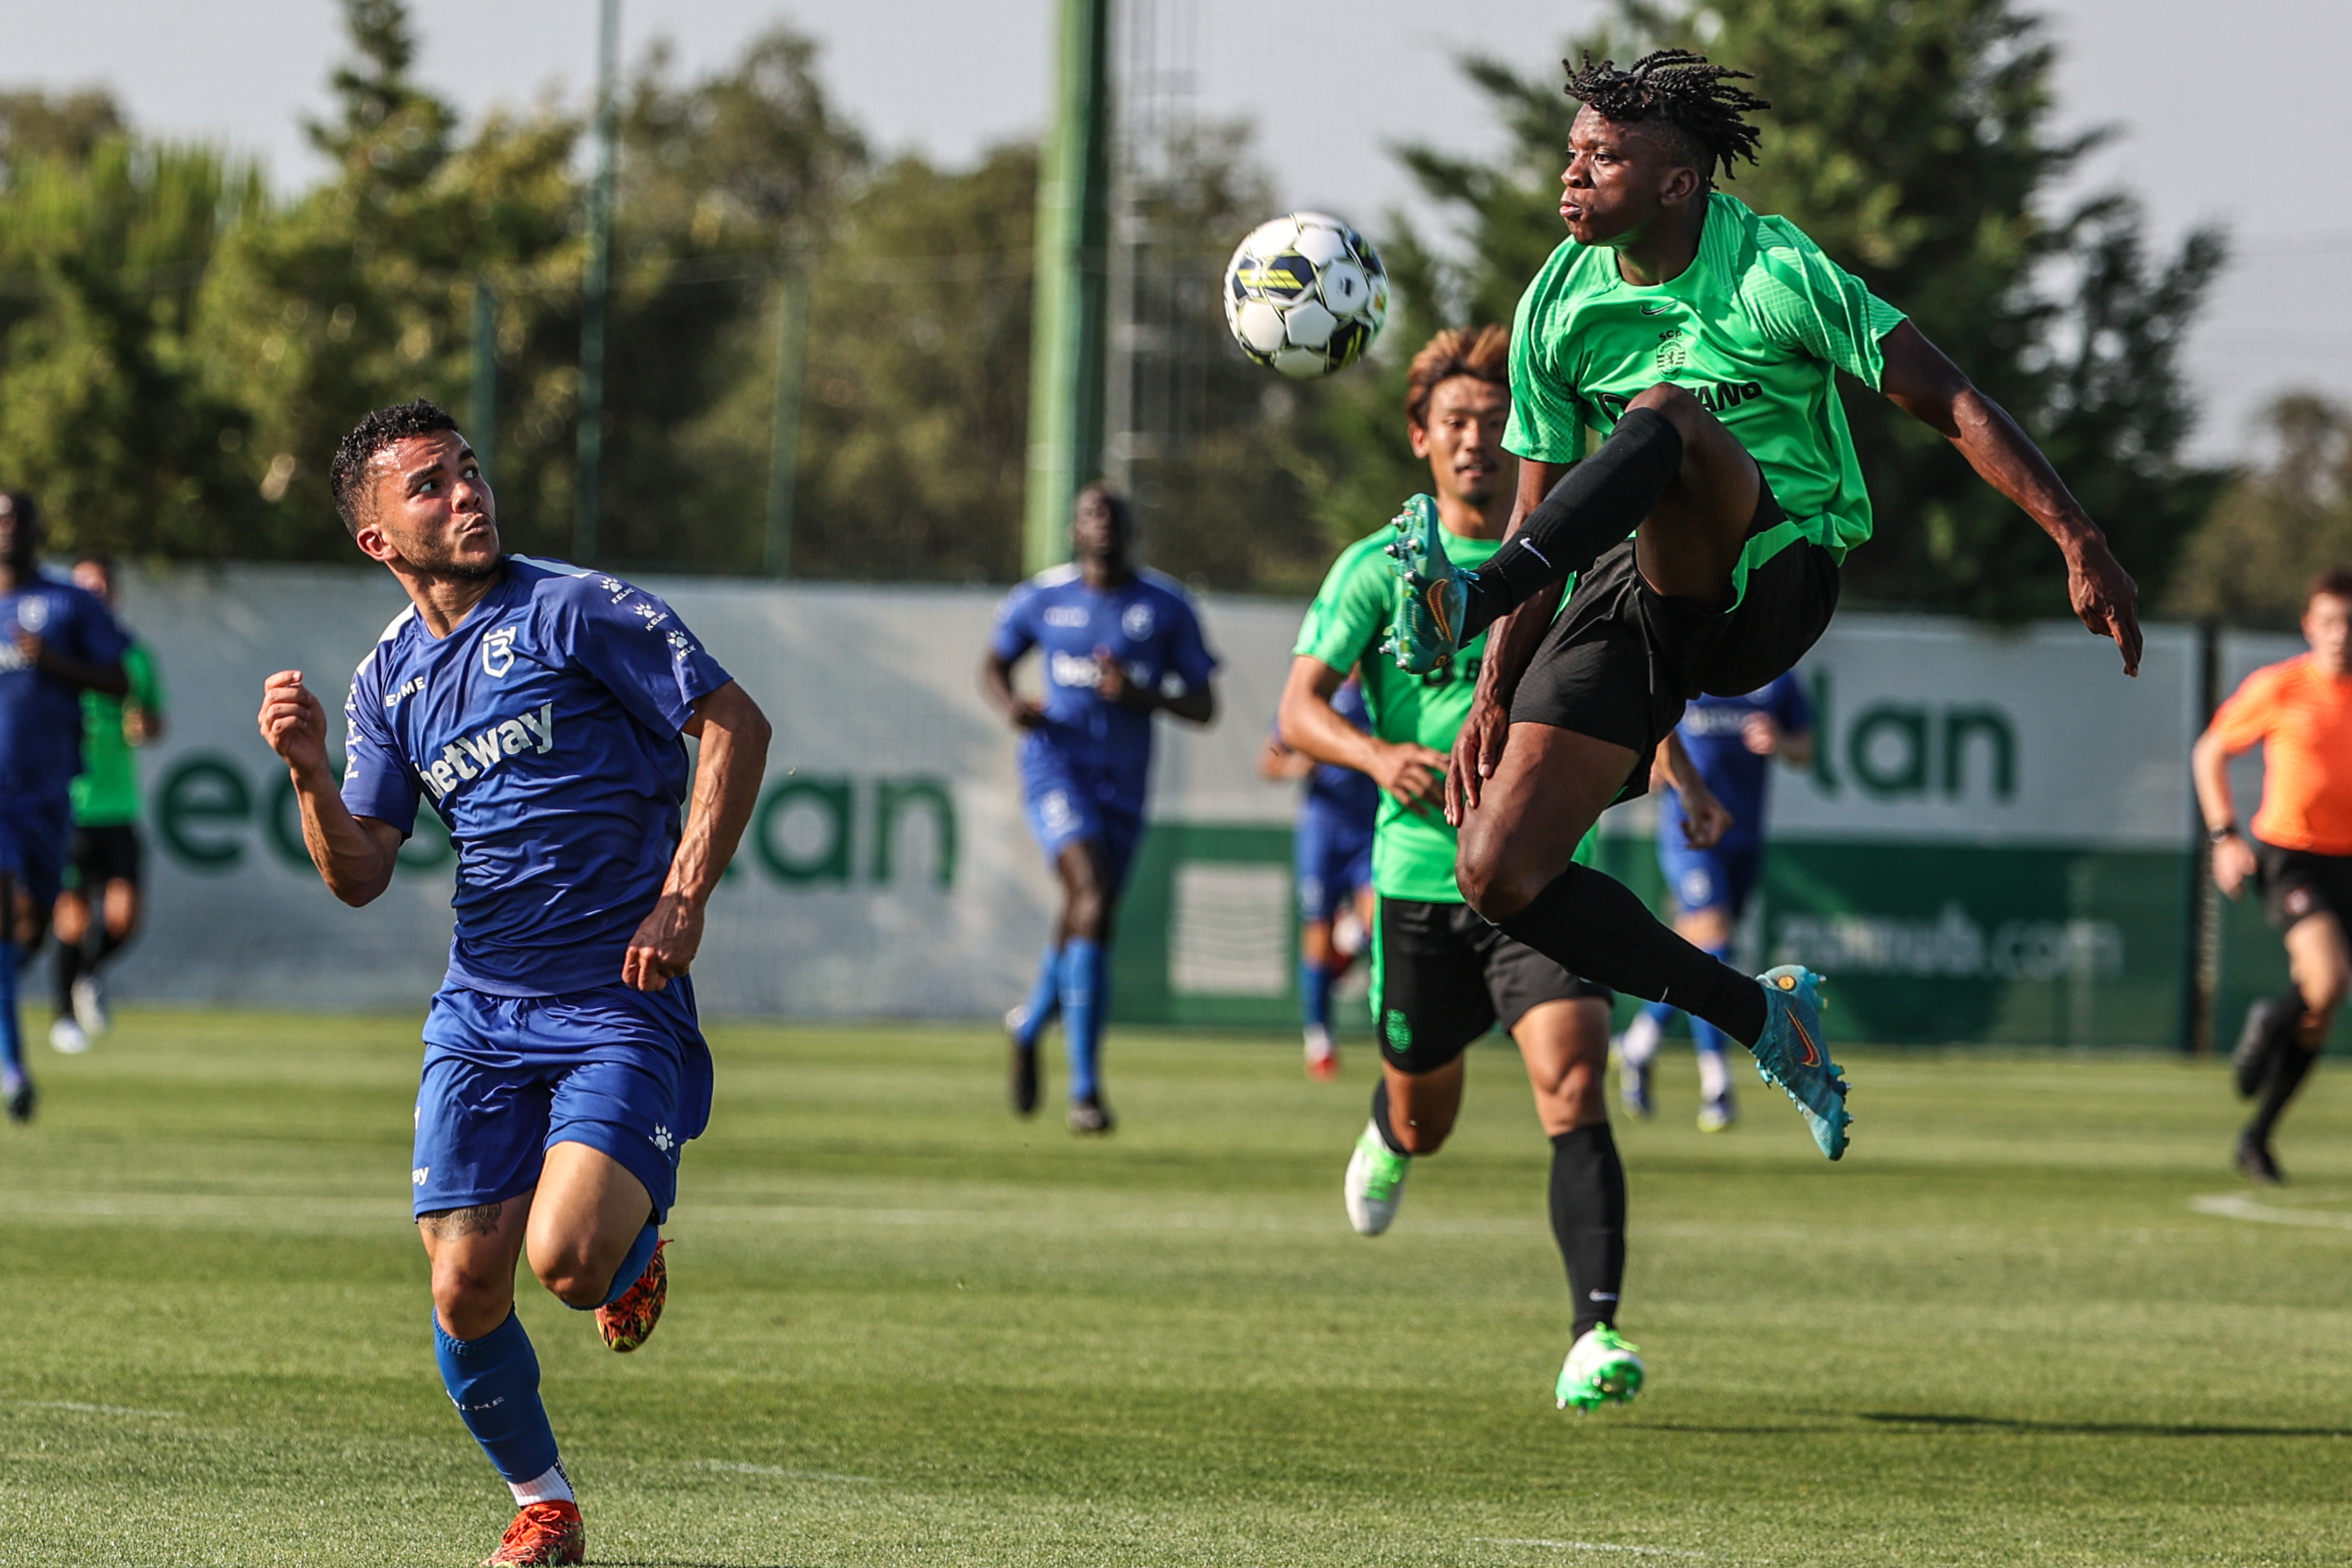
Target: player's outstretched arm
{"x":355,"y":854}
{"x":1414,"y":775}
{"x":1930,"y":388}
{"x":1511,"y":644}
{"x":727,"y":773}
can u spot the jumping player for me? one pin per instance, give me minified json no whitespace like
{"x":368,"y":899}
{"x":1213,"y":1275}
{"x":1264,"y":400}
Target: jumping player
{"x":1332,"y":871}
{"x":2300,"y":712}
{"x":1440,"y":976}
{"x":99,"y":911}
{"x":1119,"y":643}
{"x":541,"y":709}
{"x":60,"y":643}
{"x":1731,"y":741}
{"x":1701,"y":343}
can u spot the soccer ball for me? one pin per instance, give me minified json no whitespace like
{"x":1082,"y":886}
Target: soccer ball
{"x":1305,"y":294}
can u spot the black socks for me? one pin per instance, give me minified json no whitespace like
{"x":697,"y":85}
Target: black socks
{"x":2290,"y":1065}
{"x":1599,"y":501}
{"x":1380,"y":1118}
{"x":1588,"y":1220}
{"x":1591,"y":925}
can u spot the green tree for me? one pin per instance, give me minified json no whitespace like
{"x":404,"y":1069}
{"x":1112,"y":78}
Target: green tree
{"x":1912,"y":138}
{"x":2277,"y":528}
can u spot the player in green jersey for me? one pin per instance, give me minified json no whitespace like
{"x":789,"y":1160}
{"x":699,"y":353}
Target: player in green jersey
{"x":104,"y":879}
{"x":1440,"y":975}
{"x":1700,"y":342}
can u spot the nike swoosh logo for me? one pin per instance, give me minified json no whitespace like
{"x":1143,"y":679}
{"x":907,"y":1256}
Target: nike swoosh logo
{"x":1812,"y":1055}
{"x":1433,"y":598}
{"x":1655,"y":310}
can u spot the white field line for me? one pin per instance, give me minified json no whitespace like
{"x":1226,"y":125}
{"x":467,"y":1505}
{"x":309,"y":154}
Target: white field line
{"x":2246,"y":1207}
{"x":1587,"y":1546}
{"x":80,"y":1408}
{"x":733,"y":1468}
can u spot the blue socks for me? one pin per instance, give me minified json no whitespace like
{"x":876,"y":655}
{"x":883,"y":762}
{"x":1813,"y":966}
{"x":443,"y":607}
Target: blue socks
{"x":12,"y":1044}
{"x":494,"y":1383}
{"x":1314,"y":996}
{"x":1085,"y":984}
{"x":1045,"y":996}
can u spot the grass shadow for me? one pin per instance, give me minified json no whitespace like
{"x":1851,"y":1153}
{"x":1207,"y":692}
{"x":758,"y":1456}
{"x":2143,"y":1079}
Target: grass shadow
{"x":2092,"y":1429}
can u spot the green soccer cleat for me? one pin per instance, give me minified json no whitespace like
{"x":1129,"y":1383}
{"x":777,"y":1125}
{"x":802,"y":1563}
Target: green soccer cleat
{"x":1426,"y":631}
{"x":1375,"y":1185}
{"x":1794,"y":1057}
{"x":1602,"y":1369}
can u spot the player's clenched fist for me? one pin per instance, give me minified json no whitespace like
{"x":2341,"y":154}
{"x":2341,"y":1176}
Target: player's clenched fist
{"x":293,"y":722}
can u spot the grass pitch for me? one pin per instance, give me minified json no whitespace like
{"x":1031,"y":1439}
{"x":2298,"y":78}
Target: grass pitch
{"x":904,"y":1328}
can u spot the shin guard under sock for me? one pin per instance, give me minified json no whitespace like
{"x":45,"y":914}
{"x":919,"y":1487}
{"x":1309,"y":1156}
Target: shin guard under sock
{"x":1706,"y":1038}
{"x":1588,"y":1220}
{"x":1380,"y":1119}
{"x":2290,"y":1065}
{"x":1044,"y":1000}
{"x":1591,"y":925}
{"x":1599,"y":501}
{"x":494,"y":1383}
{"x":1082,"y":1000}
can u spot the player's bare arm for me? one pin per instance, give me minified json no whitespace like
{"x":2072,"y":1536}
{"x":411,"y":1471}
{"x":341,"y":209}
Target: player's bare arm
{"x":1706,"y":819}
{"x":996,"y":685}
{"x":1414,"y":775}
{"x":2233,"y":858}
{"x":1197,"y":704}
{"x":355,"y":855}
{"x":66,"y":670}
{"x":1510,"y":646}
{"x":734,"y":736}
{"x":1919,"y":380}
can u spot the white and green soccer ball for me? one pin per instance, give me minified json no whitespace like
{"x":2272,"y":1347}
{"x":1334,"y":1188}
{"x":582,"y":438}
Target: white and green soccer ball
{"x":1305,"y":294}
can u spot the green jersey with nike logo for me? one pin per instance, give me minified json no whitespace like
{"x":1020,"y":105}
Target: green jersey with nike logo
{"x":1756,"y":327}
{"x":1413,"y":848}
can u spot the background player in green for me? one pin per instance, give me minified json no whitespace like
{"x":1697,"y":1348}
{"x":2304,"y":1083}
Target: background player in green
{"x":104,"y":878}
{"x":1440,"y":975}
{"x":1706,"y":531}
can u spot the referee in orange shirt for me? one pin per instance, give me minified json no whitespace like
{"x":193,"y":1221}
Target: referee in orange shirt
{"x":2300,"y":712}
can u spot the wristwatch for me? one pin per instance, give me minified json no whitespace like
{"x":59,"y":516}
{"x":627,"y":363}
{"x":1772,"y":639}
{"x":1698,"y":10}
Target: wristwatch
{"x":2227,"y":830}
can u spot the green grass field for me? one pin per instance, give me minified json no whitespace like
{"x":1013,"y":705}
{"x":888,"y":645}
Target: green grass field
{"x":905,"y":1328}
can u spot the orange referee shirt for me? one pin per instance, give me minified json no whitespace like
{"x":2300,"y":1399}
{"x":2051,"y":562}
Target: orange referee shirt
{"x":2303,"y":722}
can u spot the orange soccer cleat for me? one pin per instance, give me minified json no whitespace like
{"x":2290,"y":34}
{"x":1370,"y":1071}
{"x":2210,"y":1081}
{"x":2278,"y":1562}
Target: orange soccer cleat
{"x":544,"y":1532}
{"x":629,"y":1321}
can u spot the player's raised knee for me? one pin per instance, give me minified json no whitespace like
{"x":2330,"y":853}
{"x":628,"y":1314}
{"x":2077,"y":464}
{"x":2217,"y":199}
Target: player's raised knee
{"x":1492,"y":881}
{"x":1676,"y":404}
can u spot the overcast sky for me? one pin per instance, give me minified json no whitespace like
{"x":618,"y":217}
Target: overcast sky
{"x":2211,"y":131}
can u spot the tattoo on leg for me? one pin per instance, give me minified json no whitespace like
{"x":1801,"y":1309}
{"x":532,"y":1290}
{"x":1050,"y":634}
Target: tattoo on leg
{"x":479,"y":1220}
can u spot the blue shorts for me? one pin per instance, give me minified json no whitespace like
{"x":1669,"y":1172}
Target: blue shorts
{"x":1332,"y":859}
{"x":1711,"y":878}
{"x":622,"y":1070}
{"x":35,"y":846}
{"x":1067,"y":804}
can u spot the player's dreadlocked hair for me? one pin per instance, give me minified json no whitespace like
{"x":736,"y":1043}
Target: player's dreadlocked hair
{"x":346,"y":474}
{"x":1686,"y":90}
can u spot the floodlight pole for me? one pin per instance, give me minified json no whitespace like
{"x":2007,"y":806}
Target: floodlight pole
{"x":597,"y":285}
{"x":1065,"y":348}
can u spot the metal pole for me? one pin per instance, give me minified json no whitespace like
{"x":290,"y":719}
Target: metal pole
{"x":1065,"y":351}
{"x":482,"y":417}
{"x":785,"y":437}
{"x":2203,"y":978}
{"x":584,"y":540}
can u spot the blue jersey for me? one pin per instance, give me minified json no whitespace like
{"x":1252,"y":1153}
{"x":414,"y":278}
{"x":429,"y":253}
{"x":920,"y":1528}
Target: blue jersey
{"x":1145,"y":624}
{"x":40,"y":718}
{"x":546,"y":732}
{"x":1711,"y":732}
{"x":1342,"y":796}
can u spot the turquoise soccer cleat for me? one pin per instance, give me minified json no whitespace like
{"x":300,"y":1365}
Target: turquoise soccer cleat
{"x":1794,"y":1054}
{"x":1426,"y":631}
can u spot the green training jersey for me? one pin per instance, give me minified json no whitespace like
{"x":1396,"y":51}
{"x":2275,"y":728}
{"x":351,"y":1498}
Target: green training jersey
{"x":1756,"y":327}
{"x":106,"y":792}
{"x":1413,"y":848}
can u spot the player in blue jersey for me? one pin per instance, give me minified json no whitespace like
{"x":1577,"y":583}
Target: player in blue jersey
{"x":60,"y":642}
{"x":1119,"y":643}
{"x":1731,"y":740}
{"x":1332,"y":865}
{"x":541,"y":709}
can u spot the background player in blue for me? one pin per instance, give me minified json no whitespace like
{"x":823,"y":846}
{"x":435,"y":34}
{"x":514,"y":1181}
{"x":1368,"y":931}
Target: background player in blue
{"x":1332,"y":867}
{"x":1732,"y":740}
{"x":1118,"y":645}
{"x":540,"y":710}
{"x":60,"y":642}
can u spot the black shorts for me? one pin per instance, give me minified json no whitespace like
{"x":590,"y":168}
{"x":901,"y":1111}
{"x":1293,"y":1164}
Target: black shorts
{"x":1622,"y":661}
{"x":2297,"y":882}
{"x":1442,"y":977}
{"x":103,"y":855}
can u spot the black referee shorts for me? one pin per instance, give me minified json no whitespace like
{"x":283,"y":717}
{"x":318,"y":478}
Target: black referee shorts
{"x":2297,"y":882}
{"x":1622,"y":660}
{"x":1443,"y":976}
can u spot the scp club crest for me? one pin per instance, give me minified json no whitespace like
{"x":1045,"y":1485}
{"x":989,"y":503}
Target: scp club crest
{"x":498,"y":650}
